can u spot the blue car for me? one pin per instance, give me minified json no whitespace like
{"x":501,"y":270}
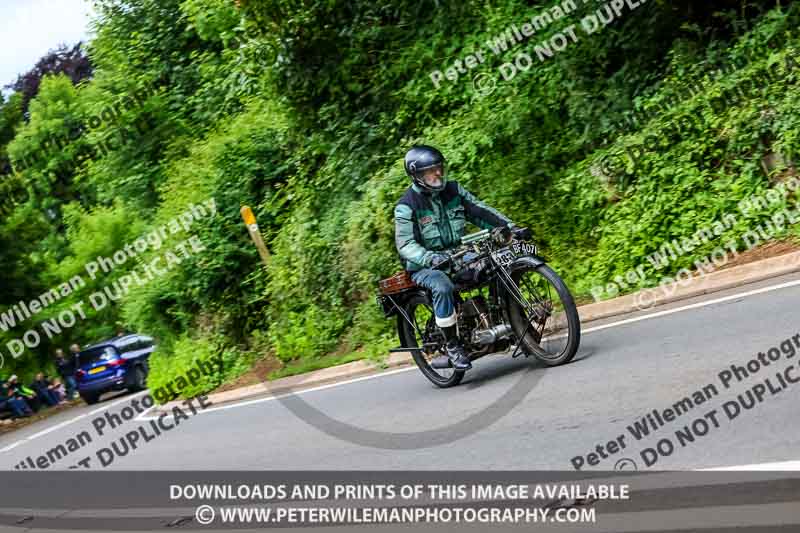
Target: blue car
{"x":116,"y":364}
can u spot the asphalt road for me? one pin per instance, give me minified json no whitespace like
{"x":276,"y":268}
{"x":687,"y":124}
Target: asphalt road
{"x":508,"y":414}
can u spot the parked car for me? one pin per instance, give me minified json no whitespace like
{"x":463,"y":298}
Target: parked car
{"x":116,"y":364}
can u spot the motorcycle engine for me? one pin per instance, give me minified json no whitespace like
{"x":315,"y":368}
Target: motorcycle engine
{"x":481,"y":332}
{"x":474,"y":318}
{"x":476,"y":312}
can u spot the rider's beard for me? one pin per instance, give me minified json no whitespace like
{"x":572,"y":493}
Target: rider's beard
{"x":434,"y":182}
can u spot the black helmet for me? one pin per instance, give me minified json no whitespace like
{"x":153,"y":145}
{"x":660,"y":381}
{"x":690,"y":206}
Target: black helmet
{"x":421,"y":158}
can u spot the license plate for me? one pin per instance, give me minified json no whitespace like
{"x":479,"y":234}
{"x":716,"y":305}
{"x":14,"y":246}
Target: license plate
{"x":97,"y":370}
{"x":504,"y":256}
{"x":524,"y":248}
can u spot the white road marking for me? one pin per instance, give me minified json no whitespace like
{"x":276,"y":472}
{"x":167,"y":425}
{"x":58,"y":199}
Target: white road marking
{"x":57,"y":426}
{"x":392,"y":372}
{"x":73,"y":420}
{"x":144,"y":413}
{"x":121,"y":400}
{"x":44,"y":432}
{"x":588,"y":330}
{"x":12,"y":446}
{"x":695,"y":305}
{"x":786,"y":466}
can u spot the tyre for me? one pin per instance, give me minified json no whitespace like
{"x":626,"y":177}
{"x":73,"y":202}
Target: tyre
{"x":419,"y":309}
{"x":138,"y":379}
{"x":544,"y":311}
{"x":90,"y":398}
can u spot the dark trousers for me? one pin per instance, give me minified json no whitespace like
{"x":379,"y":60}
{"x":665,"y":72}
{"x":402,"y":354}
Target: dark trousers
{"x":33,"y":402}
{"x":18,"y":407}
{"x":69,"y":386}
{"x":47,"y":397}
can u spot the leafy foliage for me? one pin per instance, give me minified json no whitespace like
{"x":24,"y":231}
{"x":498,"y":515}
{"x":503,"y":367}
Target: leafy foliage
{"x":72,"y":62}
{"x":303,"y":111}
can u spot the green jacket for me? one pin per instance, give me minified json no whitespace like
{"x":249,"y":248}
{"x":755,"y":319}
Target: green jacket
{"x":426,"y":223}
{"x":7,"y":392}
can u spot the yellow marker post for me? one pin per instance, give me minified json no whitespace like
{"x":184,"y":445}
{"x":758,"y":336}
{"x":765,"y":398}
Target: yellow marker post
{"x":255,"y":234}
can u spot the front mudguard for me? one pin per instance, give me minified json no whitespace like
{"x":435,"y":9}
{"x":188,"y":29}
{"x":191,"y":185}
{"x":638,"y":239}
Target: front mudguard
{"x":533,"y":261}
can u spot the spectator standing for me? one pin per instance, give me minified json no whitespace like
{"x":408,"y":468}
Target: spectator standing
{"x":74,"y":351}
{"x":74,"y":354}
{"x":66,"y":369}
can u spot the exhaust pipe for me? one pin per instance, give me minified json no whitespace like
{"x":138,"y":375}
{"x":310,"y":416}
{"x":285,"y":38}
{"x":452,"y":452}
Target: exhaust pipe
{"x":481,"y":337}
{"x":440,"y":363}
{"x":491,"y":335}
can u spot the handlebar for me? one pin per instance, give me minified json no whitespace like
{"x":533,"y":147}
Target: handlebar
{"x":466,"y":241}
{"x":450,"y":259}
{"x":475,"y":237}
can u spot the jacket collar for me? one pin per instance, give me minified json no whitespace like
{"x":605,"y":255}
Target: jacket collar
{"x":417,"y":189}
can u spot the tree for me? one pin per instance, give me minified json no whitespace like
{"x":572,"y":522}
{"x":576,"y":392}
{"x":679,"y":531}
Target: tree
{"x":10,"y":117}
{"x":73,"y":62}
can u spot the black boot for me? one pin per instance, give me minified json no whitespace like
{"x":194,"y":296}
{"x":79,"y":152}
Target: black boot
{"x":455,"y":352}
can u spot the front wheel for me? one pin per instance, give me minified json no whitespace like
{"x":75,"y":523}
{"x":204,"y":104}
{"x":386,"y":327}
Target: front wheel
{"x":541,"y":308}
{"x":428,"y":338}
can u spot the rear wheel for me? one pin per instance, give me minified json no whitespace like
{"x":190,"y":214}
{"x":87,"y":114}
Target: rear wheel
{"x":428,"y":338}
{"x":90,"y":398}
{"x":544,"y":311}
{"x":139,"y":380}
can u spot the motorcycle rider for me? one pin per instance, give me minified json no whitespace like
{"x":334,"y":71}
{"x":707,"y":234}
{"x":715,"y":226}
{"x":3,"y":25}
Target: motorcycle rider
{"x":430,"y":219}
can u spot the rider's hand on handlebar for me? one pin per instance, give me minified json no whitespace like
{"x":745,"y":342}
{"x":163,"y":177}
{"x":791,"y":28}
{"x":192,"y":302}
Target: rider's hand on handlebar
{"x":439,"y":259}
{"x":522,"y":234}
{"x":501,"y":234}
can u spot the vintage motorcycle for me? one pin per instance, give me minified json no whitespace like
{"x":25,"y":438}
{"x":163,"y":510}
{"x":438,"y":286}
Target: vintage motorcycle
{"x":505,"y":296}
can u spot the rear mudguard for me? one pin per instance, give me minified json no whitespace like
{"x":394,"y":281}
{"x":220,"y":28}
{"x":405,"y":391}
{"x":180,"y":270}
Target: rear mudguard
{"x":390,"y":303}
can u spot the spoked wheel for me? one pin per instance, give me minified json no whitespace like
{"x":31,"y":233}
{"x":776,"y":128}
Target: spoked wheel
{"x":543,"y":309}
{"x":428,"y":338}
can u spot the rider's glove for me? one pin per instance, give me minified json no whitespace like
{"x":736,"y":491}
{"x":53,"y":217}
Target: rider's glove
{"x":439,"y":258}
{"x":522,"y":234}
{"x":501,"y":234}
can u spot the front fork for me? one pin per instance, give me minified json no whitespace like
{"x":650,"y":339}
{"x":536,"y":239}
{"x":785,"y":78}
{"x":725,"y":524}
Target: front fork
{"x":505,"y":283}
